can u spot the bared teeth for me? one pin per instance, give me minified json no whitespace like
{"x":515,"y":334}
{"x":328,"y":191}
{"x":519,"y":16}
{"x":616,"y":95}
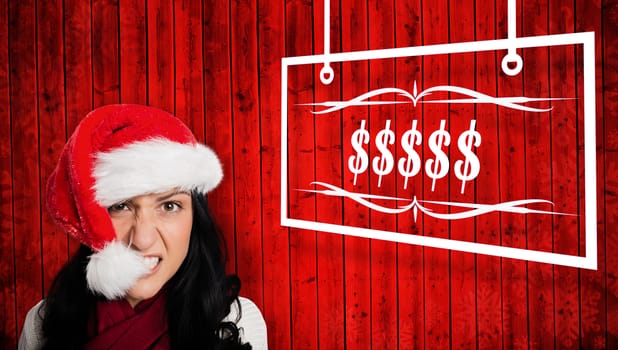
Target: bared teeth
{"x":151,"y":261}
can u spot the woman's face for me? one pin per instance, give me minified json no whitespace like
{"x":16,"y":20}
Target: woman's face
{"x":158,"y":226}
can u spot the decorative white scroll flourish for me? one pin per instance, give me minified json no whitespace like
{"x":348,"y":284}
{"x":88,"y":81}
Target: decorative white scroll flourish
{"x":475,"y":209}
{"x":415,"y":97}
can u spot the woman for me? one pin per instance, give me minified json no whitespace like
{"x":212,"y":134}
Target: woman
{"x":130,"y":186}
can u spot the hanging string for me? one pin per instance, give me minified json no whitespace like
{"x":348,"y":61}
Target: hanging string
{"x":511,"y":63}
{"x":512,"y":57}
{"x":326,"y":73}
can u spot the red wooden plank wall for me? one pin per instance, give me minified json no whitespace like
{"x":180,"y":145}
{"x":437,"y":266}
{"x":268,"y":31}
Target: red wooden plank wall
{"x":217,"y":66}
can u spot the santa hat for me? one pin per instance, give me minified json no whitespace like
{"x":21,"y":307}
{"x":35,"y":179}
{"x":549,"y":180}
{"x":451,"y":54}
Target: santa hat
{"x":118,"y":152}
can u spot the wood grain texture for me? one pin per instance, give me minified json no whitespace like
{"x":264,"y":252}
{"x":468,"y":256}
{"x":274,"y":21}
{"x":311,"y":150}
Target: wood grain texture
{"x":564,"y":136}
{"x":383,"y":255}
{"x":275,"y":238}
{"x":52,"y":127}
{"x":303,"y":259}
{"x":437,"y":286}
{"x":488,"y":272}
{"x":594,"y":297}
{"x":189,"y":86}
{"x":538,"y":166}
{"x":410,"y":269}
{"x":105,"y":54}
{"x":25,"y":157}
{"x":463,"y":293}
{"x":160,"y":26}
{"x":512,"y":168}
{"x":217,"y":65}
{"x":328,"y":168}
{"x":8,"y":312}
{"x":78,"y":61}
{"x":610,"y":164}
{"x":218,"y":115}
{"x":79,"y":86}
{"x":132,"y":46}
{"x":246,"y":146}
{"x":357,"y":280}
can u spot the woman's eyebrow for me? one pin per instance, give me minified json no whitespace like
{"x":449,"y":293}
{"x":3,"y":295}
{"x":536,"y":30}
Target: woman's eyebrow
{"x":170,"y":195}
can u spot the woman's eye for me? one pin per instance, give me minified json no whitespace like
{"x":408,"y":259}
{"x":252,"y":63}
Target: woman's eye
{"x":118,"y":208}
{"x":171,"y":206}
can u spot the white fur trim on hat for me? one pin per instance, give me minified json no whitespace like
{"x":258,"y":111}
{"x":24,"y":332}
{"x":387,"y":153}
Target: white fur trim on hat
{"x":113,"y":270}
{"x":154,"y":166}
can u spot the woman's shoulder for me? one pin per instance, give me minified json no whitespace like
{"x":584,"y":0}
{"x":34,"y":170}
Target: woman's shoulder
{"x":32,"y":333}
{"x":250,"y":323}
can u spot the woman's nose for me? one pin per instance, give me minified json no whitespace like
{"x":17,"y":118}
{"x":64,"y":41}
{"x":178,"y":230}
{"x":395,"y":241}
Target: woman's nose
{"x":144,"y":232}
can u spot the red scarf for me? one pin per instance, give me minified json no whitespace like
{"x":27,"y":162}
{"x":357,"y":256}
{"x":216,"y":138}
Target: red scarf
{"x":119,"y":326}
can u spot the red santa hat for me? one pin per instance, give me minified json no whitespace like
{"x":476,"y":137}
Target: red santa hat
{"x":118,"y":152}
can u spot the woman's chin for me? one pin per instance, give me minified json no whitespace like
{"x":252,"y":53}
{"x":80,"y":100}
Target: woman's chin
{"x":141,"y":291}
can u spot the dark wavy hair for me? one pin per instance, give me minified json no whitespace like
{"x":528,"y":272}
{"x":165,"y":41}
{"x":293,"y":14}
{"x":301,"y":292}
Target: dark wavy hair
{"x":199,"y":295}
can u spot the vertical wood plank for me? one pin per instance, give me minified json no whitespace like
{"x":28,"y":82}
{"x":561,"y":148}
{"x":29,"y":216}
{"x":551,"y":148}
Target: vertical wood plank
{"x":328,"y":146}
{"x":610,"y":127}
{"x":218,"y":108}
{"x":78,"y":61}
{"x":437,"y":283}
{"x":52,"y":134}
{"x":512,"y":187}
{"x":538,"y":167}
{"x":410,"y":280}
{"x":299,"y":41}
{"x":462,"y":265}
{"x":246,"y":136}
{"x":160,"y":27}
{"x":8,"y":328}
{"x":593,"y":284}
{"x":78,"y":68}
{"x":563,"y":141}
{"x":189,"y":95}
{"x":133,"y":62}
{"x":383,"y":254}
{"x":105,"y":55}
{"x":488,"y":272}
{"x":25,"y":161}
{"x":271,"y":33}
{"x":355,"y":75}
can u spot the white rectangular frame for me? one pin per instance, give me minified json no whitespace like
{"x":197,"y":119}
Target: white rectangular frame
{"x":589,"y":261}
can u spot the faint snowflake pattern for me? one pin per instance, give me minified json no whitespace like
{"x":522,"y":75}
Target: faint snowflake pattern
{"x":611,"y":185}
{"x":522,"y":343}
{"x":612,"y":260}
{"x":514,"y":304}
{"x":611,"y":220}
{"x":599,"y":342}
{"x":568,"y":323}
{"x":488,"y":296}
{"x":489,"y":317}
{"x":590,"y":312}
{"x":464,"y":321}
{"x":612,"y":326}
{"x":469,"y":305}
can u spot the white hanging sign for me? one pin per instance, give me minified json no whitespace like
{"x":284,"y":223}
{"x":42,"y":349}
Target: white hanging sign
{"x":438,"y":155}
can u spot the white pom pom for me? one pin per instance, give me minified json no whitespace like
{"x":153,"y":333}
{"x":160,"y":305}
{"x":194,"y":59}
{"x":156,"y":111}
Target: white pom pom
{"x":113,"y":270}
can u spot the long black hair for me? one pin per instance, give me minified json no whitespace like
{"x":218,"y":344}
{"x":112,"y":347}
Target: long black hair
{"x":199,"y":295}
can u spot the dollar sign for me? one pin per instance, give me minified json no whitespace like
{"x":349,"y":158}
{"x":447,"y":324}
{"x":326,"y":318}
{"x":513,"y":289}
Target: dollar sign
{"x":408,"y":140}
{"x":383,"y":164}
{"x":436,"y":140}
{"x":358,"y":163}
{"x":465,"y":142}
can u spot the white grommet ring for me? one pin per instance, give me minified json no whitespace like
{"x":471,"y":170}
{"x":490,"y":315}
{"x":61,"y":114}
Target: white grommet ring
{"x":327,"y":74}
{"x":512,"y":58}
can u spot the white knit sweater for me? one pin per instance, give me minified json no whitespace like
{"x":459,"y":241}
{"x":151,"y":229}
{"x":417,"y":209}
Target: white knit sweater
{"x":251,"y":326}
